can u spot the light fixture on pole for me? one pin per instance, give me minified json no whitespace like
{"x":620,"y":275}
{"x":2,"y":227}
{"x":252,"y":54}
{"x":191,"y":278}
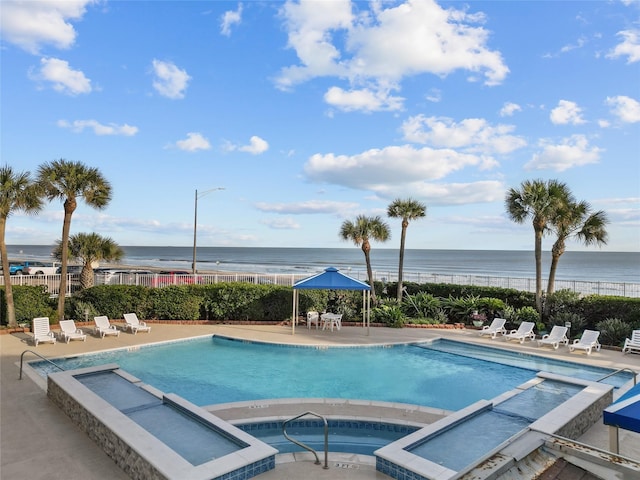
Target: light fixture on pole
{"x":195,"y":223}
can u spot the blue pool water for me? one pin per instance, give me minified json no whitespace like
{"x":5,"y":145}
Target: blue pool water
{"x":194,"y":440}
{"x":489,"y":429}
{"x":219,"y":370}
{"x":352,"y":436}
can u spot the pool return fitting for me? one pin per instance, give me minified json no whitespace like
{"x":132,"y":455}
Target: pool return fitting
{"x":306,"y":447}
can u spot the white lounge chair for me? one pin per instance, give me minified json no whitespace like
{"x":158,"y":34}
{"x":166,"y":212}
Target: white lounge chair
{"x":103,"y":327}
{"x":68,"y":331}
{"x":554,"y":338}
{"x":313,"y":317}
{"x":496,"y":327}
{"x":632,"y":344}
{"x":587,"y":342}
{"x":524,"y":331}
{"x":132,"y":323}
{"x":42,"y":331}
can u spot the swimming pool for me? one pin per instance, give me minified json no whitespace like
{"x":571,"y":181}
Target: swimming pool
{"x":442,"y":374}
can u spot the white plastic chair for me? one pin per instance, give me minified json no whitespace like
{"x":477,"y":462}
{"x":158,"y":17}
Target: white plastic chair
{"x":587,"y":342}
{"x":496,"y":327}
{"x":42,"y":331}
{"x":103,"y":327}
{"x":313,"y":317}
{"x":632,"y":344}
{"x":524,"y":331}
{"x":331,"y":320}
{"x":554,"y":338}
{"x":132,"y":323}
{"x":68,"y":331}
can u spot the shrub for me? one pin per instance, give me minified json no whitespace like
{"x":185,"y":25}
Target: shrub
{"x":527,"y":314}
{"x":613,"y":331}
{"x":577,"y":321}
{"x":30,"y":302}
{"x":390,"y":315}
{"x":459,"y":308}
{"x":421,"y":305}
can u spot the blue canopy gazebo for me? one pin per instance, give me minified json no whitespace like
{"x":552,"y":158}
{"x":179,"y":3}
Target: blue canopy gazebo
{"x":332,"y":279}
{"x":623,"y":413}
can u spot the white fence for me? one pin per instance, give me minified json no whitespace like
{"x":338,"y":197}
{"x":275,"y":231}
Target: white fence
{"x":52,"y":282}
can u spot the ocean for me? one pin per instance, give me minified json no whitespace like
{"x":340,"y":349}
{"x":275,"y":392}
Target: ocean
{"x":590,"y":266}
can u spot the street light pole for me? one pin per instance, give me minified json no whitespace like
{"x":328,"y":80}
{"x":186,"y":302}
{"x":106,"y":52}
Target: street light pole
{"x":195,"y":223}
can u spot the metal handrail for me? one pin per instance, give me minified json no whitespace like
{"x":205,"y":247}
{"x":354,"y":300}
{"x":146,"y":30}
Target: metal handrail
{"x":38,"y":355}
{"x":625,"y":369}
{"x":306,"y":447}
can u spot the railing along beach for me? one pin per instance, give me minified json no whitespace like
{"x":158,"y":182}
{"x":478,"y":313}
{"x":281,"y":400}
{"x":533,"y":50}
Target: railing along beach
{"x":52,"y":282}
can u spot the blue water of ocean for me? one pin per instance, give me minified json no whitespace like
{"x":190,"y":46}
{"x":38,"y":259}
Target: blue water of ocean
{"x":589,"y":266}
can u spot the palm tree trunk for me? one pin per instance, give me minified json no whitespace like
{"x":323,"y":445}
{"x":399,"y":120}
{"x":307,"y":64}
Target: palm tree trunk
{"x":8,"y":289}
{"x":538,"y":254}
{"x":69,"y":207}
{"x":366,"y":248}
{"x":403,"y":235}
{"x":556,"y":252}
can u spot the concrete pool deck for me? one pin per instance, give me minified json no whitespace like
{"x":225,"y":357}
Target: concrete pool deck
{"x":39,"y":441}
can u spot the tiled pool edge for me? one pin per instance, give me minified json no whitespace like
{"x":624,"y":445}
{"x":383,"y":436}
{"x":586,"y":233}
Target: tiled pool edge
{"x":570,"y":420}
{"x":139,"y":453}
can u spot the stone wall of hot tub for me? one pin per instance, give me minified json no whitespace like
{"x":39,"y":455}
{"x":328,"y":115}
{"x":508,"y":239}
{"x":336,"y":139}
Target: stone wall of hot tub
{"x":119,"y":451}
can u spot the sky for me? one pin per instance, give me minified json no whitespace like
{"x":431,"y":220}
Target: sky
{"x":290,"y":117}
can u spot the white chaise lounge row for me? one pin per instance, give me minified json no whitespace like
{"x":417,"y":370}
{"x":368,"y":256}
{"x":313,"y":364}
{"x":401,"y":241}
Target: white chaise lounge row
{"x":68,"y":331}
{"x":555,"y":338}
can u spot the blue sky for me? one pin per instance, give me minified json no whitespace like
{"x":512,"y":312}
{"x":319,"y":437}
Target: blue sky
{"x":308,"y":113}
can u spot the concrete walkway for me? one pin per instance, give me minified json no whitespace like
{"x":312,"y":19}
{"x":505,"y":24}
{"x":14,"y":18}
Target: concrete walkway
{"x":38,"y":441}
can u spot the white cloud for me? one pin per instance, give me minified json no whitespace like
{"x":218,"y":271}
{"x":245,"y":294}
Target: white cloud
{"x":256,"y":146}
{"x":381,"y":46}
{"x":625,"y":108}
{"x":390,"y":167}
{"x":471,"y":134}
{"x":572,"y":152}
{"x":566,"y":112}
{"x":194,"y":142}
{"x":364,"y":100}
{"x":31,"y":25}
{"x":434,"y":95}
{"x":230,"y":18}
{"x":286,"y":223}
{"x":169,"y":81}
{"x":305,"y":208}
{"x":630,"y":46}
{"x":509,"y":108}
{"x":78,"y":126}
{"x":62,"y":76}
{"x":487,"y":191}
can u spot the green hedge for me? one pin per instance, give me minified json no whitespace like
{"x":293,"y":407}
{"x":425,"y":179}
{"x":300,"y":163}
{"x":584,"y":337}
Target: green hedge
{"x":29,"y":302}
{"x":247,"y":301}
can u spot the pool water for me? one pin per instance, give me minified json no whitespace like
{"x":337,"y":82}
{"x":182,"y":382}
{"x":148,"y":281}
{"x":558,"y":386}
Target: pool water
{"x":216,"y":370}
{"x":351,"y":436}
{"x":489,"y":429}
{"x":194,"y":440}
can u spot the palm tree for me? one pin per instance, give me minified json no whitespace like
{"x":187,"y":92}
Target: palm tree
{"x":537,"y":200}
{"x":66,"y":180}
{"x":408,"y":209}
{"x":359,"y":232}
{"x":575,"y":219}
{"x":17,"y":192}
{"x":90,"y":248}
